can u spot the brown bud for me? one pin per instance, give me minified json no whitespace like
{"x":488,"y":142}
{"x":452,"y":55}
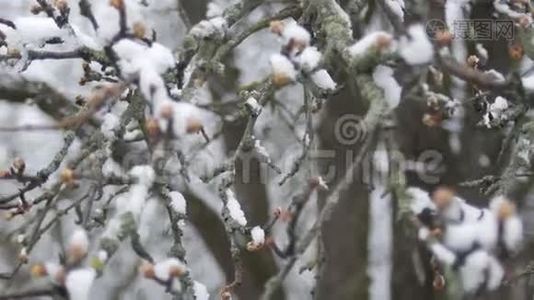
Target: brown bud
{"x":67,"y":176}
{"x":524,"y":21}
{"x":286,"y":215}
{"x":276,"y":27}
{"x":442,"y":197}
{"x":36,"y":9}
{"x":61,"y":5}
{"x":506,"y":210}
{"x":226,"y":295}
{"x":152,"y":128}
{"x":473,"y":61}
{"x":118,"y":4}
{"x":147,"y":270}
{"x":193,"y":125}
{"x":443,"y":38}
{"x":516,"y":51}
{"x":296,"y":46}
{"x":439,"y":282}
{"x":433,"y":119}
{"x":166,"y":111}
{"x":76,"y":253}
{"x":139,"y":30}
{"x":383,"y":41}
{"x":38,"y":270}
{"x":13,"y":53}
{"x":19,"y":165}
{"x":436,"y":232}
{"x":253,"y":247}
{"x":280,"y":79}
{"x":176,"y":271}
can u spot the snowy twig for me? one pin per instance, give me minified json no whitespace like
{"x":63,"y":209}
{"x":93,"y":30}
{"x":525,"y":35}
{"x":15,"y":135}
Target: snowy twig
{"x":86,"y":11}
{"x":42,"y":175}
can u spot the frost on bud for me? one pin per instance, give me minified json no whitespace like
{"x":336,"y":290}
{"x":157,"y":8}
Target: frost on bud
{"x":21,"y":239}
{"x":168,"y":269}
{"x":234,"y":208}
{"x":376,"y":41}
{"x":253,"y":106}
{"x":309,"y":59}
{"x":251,"y":247}
{"x":103,"y":255}
{"x":144,"y":175}
{"x":276,"y":27}
{"x":322,"y":79}
{"x":67,"y":176}
{"x":296,"y":38}
{"x":200,"y":291}
{"x":78,"y":283}
{"x":139,"y":30}
{"x":442,"y":197}
{"x":283,"y":71}
{"x":258,"y":239}
{"x":473,"y":61}
{"x":118,"y":4}
{"x":178,"y":203}
{"x":23,"y":255}
{"x":77,"y":247}
{"x":98,"y":262}
{"x":415,"y":48}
